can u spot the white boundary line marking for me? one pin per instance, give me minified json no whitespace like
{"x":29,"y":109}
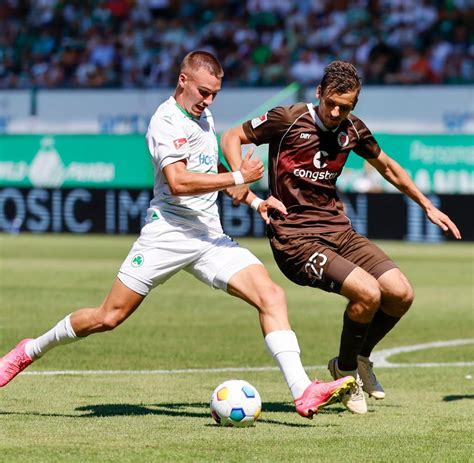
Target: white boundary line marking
{"x":379,"y":358}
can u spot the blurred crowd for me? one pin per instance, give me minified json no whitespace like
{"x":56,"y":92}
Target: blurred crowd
{"x":138,"y":43}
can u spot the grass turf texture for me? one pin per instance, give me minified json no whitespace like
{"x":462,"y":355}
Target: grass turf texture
{"x":427,"y":415}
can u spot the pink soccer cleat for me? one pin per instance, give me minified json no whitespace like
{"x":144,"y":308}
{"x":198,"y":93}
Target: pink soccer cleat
{"x":14,"y":362}
{"x":319,"y":394}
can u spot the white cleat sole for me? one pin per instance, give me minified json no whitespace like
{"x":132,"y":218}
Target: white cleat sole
{"x":377,"y":395}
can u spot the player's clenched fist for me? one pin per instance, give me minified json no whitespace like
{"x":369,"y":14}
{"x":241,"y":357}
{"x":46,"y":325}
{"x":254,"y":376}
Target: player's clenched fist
{"x":251,"y":169}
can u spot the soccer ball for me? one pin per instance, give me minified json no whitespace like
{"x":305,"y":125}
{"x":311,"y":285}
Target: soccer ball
{"x":235,"y":403}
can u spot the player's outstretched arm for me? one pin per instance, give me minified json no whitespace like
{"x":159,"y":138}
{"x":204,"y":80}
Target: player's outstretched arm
{"x":443,"y":221}
{"x":183,"y":182}
{"x":398,"y":177}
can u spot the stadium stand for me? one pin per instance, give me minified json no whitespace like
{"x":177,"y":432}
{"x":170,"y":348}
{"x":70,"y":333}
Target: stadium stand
{"x":135,"y":43}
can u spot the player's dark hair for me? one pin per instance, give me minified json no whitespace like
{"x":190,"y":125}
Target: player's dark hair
{"x":202,"y":59}
{"x":340,"y":77}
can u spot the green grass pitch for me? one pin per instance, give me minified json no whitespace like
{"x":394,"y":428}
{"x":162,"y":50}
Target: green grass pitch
{"x":427,"y":415}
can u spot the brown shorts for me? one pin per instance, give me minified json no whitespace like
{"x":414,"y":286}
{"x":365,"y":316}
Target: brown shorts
{"x":324,"y":261}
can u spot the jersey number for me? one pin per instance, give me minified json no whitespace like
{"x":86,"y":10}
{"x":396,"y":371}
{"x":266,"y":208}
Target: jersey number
{"x":315,"y":265}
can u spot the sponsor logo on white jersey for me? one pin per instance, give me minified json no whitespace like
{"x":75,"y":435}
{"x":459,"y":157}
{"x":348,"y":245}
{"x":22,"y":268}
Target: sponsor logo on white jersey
{"x":205,"y":159}
{"x":256,"y":121}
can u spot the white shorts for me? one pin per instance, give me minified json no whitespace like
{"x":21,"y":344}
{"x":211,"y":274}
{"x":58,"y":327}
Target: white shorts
{"x":164,"y":249}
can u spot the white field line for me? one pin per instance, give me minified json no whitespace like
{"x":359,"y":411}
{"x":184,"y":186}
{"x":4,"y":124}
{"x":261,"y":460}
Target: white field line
{"x":379,"y":358}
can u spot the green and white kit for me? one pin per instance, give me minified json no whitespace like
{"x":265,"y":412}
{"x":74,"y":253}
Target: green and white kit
{"x":182,"y":232}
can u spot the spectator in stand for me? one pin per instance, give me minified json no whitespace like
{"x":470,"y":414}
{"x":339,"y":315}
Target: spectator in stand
{"x":309,"y":68}
{"x":54,"y":43}
{"x":415,"y":68}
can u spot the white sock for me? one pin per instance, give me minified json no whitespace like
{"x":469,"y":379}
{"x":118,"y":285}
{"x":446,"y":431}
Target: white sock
{"x":283,"y":345}
{"x":62,"y":333}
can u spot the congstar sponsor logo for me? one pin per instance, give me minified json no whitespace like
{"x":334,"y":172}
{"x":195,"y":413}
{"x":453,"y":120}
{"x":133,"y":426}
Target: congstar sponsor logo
{"x":315,"y":175}
{"x":319,"y":161}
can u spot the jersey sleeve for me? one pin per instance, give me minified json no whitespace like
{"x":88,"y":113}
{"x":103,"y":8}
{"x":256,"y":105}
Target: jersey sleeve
{"x":367,"y":146}
{"x":167,"y":142}
{"x":263,"y":129}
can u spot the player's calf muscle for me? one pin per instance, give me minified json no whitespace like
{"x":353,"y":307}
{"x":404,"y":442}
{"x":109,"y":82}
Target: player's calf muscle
{"x":88,"y":321}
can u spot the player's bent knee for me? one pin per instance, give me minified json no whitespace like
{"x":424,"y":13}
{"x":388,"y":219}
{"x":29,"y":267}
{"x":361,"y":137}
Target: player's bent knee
{"x":397,"y":292}
{"x":363,"y":310}
{"x":405,"y":299}
{"x":363,"y":290}
{"x":370,"y":298}
{"x":272,"y":295}
{"x":408,"y":297}
{"x":398,"y":300}
{"x":278,"y":294}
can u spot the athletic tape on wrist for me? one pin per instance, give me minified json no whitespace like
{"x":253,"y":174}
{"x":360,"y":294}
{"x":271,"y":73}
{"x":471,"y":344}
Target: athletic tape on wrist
{"x":256,"y":202}
{"x":238,"y":177}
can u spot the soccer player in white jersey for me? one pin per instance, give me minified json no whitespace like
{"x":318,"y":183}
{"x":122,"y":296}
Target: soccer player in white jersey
{"x":183,"y":232}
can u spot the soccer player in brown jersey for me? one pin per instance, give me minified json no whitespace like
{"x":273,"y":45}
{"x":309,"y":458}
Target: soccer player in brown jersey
{"x":314,"y":244}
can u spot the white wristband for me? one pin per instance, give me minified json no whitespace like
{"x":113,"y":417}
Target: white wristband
{"x":255,"y":203}
{"x":238,"y":177}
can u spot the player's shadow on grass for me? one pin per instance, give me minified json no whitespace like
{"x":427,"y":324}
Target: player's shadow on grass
{"x":452,"y":398}
{"x":170,"y":409}
{"x":189,"y":410}
{"x":185,"y":410}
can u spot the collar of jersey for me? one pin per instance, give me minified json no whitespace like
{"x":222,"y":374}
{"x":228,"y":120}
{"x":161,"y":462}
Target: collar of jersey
{"x":318,"y":121}
{"x":189,"y":115}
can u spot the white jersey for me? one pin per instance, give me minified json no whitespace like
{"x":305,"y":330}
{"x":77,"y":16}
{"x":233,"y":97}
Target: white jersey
{"x":173,"y":135}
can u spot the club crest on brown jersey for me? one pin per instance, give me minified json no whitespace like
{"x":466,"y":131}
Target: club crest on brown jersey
{"x":343,"y":139}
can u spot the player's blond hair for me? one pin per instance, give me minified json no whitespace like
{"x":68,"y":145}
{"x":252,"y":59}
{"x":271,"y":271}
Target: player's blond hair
{"x":202,"y":60}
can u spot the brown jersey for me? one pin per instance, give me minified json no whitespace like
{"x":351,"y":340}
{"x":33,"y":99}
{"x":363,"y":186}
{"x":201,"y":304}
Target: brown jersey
{"x":305,"y":159}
